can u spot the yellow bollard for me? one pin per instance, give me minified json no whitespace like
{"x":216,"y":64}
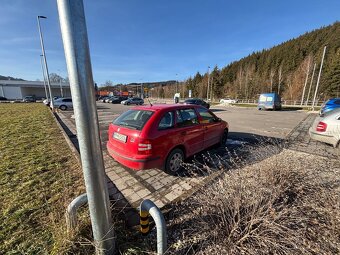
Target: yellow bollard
{"x":144,"y":222}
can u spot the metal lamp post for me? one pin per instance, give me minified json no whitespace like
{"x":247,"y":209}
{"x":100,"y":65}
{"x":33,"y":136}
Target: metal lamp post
{"x":61,"y":87}
{"x":208,"y":83}
{"x":77,"y":54}
{"x":44,"y":57}
{"x":43,"y":71}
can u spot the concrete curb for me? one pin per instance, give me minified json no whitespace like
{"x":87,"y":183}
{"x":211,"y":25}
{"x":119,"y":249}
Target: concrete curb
{"x":67,"y":138}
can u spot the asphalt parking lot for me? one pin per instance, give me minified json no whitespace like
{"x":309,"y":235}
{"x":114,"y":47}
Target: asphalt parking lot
{"x":247,"y":126}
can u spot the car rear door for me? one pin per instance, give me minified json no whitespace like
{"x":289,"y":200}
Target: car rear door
{"x":189,"y":130}
{"x":212,"y":127}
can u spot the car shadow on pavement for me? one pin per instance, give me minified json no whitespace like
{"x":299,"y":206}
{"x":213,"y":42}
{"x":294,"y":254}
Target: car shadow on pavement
{"x":218,"y":110}
{"x":99,"y":107}
{"x":292,"y":108}
{"x":241,"y":149}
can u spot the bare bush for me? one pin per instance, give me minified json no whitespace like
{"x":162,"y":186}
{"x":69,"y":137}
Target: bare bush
{"x":286,"y":204}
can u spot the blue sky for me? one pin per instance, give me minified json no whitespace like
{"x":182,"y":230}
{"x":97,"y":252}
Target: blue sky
{"x":155,"y":40}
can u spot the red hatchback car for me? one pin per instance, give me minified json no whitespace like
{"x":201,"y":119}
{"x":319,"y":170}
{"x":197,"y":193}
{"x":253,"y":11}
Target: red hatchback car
{"x":162,"y":136}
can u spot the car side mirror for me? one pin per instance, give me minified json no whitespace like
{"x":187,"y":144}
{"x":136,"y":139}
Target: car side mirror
{"x":218,"y":120}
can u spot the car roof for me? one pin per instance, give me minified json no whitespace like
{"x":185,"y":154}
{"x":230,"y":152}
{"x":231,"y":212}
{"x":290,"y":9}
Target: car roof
{"x":157,"y":107}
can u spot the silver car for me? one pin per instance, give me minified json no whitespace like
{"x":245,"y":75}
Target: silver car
{"x":133,"y":100}
{"x":326,"y":128}
{"x":63,"y":104}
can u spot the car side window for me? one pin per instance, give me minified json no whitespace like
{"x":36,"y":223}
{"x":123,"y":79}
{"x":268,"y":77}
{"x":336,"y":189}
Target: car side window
{"x":67,"y":100}
{"x":337,"y":102}
{"x":167,"y":121}
{"x":207,"y":117}
{"x":186,"y":117}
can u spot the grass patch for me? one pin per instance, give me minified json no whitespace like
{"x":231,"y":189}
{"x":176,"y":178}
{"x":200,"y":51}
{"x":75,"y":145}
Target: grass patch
{"x":39,"y":176}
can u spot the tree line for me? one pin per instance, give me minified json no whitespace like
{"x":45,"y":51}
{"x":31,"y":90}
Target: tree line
{"x":282,"y":69}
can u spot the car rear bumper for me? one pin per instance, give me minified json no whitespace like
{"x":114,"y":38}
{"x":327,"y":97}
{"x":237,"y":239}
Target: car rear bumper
{"x":323,"y":137}
{"x":140,"y":163}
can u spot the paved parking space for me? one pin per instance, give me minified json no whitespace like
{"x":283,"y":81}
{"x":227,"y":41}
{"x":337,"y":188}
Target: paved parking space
{"x":299,"y":140}
{"x":247,"y":125}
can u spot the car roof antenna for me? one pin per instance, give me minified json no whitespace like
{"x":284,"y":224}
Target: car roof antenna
{"x":150,"y":102}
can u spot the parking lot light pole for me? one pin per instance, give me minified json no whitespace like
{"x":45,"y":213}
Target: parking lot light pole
{"x":317,"y":83}
{"x":43,"y":71}
{"x":208,"y":83}
{"x":44,"y":57}
{"x":77,"y":55}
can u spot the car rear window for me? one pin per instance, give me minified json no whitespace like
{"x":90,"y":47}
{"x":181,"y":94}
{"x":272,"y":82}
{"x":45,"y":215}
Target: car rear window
{"x":133,"y":119}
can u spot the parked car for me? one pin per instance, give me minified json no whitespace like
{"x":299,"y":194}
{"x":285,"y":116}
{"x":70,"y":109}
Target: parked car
{"x":29,"y":99}
{"x":3,"y":99}
{"x":228,"y":101}
{"x":63,"y":103}
{"x":117,"y":100}
{"x":330,"y":105}
{"x":106,"y":100}
{"x":133,"y":100}
{"x":326,"y":128}
{"x":197,"y":101}
{"x":269,"y":101}
{"x":103,"y":99}
{"x":47,"y":101}
{"x":162,"y":136}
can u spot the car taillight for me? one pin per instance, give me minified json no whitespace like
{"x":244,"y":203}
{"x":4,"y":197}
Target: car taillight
{"x":321,"y":127}
{"x":144,"y":147}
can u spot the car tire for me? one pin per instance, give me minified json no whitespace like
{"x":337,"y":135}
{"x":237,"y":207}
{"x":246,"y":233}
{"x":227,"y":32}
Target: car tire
{"x":127,"y":103}
{"x":173,"y":161}
{"x":63,"y":107}
{"x":224,"y":138}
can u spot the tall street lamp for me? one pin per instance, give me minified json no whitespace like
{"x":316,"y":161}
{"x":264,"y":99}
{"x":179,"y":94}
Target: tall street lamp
{"x":43,"y":71}
{"x":44,"y":57}
{"x":61,"y":87}
{"x":208,"y":83}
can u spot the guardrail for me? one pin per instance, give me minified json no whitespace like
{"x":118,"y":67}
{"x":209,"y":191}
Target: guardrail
{"x":147,"y":207}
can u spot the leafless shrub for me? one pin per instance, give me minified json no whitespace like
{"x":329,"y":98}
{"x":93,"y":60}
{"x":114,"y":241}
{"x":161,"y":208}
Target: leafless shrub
{"x":285,"y":204}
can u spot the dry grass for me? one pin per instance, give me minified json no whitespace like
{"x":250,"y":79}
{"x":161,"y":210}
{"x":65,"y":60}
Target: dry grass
{"x":286,"y":204}
{"x":38,"y":178}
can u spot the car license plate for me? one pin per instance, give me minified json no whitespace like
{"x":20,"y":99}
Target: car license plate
{"x":120,"y":137}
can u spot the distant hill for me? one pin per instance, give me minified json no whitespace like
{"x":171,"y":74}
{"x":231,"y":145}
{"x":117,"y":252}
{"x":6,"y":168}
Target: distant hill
{"x":10,"y":78}
{"x":282,"y":68}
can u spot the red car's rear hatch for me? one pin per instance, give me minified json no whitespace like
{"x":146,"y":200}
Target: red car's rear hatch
{"x":125,"y":133}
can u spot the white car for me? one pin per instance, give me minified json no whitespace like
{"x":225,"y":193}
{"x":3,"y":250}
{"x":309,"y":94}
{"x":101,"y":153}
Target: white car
{"x":63,"y":104}
{"x":228,"y":101}
{"x":326,"y":128}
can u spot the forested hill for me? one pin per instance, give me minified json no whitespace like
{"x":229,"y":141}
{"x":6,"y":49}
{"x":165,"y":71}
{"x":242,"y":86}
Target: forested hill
{"x":9,"y":78}
{"x":282,"y":68}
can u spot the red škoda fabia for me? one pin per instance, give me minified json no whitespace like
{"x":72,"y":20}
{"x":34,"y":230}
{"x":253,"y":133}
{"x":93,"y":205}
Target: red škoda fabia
{"x":162,"y":136}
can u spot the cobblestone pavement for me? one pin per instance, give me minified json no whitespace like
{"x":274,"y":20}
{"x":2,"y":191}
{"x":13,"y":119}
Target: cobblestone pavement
{"x":131,"y":187}
{"x":299,"y":140}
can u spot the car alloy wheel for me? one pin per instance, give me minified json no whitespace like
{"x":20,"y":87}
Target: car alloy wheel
{"x":174,"y":161}
{"x":63,"y":107}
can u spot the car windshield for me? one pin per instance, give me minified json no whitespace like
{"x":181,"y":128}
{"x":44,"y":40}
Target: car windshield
{"x":190,"y":101}
{"x":133,"y":119}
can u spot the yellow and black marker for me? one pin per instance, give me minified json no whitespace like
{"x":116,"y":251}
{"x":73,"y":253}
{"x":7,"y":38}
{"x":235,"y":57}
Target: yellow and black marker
{"x":144,"y":222}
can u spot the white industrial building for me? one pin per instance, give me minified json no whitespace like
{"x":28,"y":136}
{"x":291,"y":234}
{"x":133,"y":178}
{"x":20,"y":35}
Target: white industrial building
{"x":17,"y":90}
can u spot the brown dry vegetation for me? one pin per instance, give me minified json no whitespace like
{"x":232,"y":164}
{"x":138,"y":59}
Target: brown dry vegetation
{"x":286,"y":204}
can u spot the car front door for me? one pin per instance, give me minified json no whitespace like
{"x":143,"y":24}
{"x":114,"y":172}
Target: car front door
{"x":212,"y":127}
